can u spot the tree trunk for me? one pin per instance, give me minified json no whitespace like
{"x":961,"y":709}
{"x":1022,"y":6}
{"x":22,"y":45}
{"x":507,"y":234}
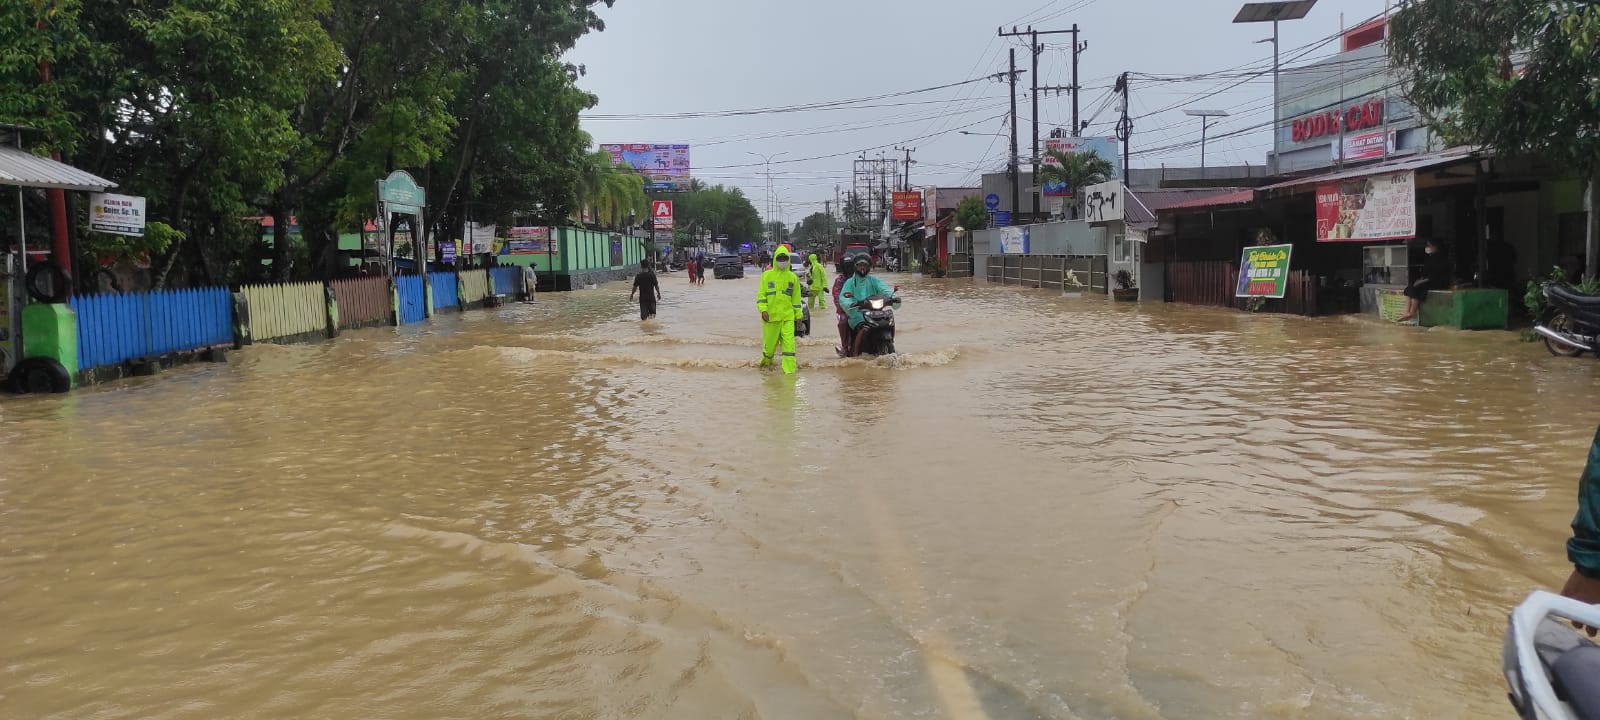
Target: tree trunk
{"x":280,"y":243}
{"x":1591,"y":202}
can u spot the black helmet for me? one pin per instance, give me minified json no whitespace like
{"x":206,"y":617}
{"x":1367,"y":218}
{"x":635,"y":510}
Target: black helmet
{"x":862,"y":259}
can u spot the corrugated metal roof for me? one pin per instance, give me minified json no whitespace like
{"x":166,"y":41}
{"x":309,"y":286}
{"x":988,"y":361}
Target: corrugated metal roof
{"x":1415,"y":162}
{"x":20,"y":167}
{"x":1154,"y":200}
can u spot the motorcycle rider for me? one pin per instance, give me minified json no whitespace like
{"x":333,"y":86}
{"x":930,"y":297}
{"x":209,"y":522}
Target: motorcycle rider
{"x":818,"y":278}
{"x":1583,"y":549}
{"x":856,"y":288}
{"x":778,"y":299}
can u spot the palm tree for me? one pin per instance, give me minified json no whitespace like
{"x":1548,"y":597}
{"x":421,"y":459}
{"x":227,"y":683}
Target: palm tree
{"x":612,"y":193}
{"x":1078,"y":171}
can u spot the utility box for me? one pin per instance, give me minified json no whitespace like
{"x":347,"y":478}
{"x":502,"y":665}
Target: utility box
{"x":51,"y":331}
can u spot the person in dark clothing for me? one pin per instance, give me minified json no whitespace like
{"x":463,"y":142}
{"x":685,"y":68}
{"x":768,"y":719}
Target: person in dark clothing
{"x":1436,"y":275}
{"x":648,"y":287}
{"x":1583,"y":548}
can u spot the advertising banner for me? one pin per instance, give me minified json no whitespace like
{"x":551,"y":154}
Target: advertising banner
{"x":527,"y":241}
{"x":447,"y":251}
{"x":661,"y":210}
{"x":1264,"y":271}
{"x":1103,"y":202}
{"x":616,"y":251}
{"x":906,"y":206}
{"x":664,"y":167}
{"x":1014,"y":240}
{"x":1103,"y":147}
{"x":116,"y":214}
{"x":1378,"y":207}
{"x":478,"y":239}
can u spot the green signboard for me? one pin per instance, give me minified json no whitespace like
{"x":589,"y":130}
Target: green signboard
{"x":401,"y":193}
{"x":1264,"y":271}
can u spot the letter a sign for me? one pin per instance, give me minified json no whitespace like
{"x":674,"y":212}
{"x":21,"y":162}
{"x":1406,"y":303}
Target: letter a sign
{"x":661,"y":210}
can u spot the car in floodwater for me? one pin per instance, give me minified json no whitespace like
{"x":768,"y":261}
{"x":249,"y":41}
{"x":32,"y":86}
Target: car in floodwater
{"x":727,"y":266}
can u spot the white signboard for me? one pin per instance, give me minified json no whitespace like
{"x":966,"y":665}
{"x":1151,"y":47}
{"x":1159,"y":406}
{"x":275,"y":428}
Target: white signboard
{"x":1103,"y":202}
{"x":116,"y":214}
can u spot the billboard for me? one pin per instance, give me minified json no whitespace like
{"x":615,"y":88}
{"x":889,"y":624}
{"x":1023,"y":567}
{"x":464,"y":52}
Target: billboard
{"x":527,"y":241}
{"x":1377,"y":207}
{"x":664,"y":167}
{"x":116,"y":214}
{"x":661,"y":211}
{"x":906,"y":206}
{"x":1104,"y":147}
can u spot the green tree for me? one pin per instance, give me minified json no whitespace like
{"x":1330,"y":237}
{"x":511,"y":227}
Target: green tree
{"x":1078,"y":171}
{"x":971,"y":214}
{"x":815,"y":229}
{"x":1458,"y":60}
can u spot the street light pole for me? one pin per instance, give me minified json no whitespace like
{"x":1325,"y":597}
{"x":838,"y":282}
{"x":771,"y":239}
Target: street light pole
{"x":767,"y":161}
{"x":1274,"y":12}
{"x":1205,"y":124}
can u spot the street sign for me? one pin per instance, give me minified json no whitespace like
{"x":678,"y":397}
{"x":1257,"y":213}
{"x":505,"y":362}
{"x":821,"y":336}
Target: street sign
{"x":991,"y":202}
{"x":1002,"y":218}
{"x":661,"y":211}
{"x":401,"y":193}
{"x":116,"y":214}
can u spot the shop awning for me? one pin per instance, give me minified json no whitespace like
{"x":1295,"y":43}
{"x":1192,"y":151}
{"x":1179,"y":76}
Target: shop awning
{"x":1153,"y":201}
{"x":1235,"y":197}
{"x":24,"y":169}
{"x":1415,"y":162}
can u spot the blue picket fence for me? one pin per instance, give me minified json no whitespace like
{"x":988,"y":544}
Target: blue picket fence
{"x":507,"y":280}
{"x":445,"y":292}
{"x":116,"y":327}
{"x":413,"y":300}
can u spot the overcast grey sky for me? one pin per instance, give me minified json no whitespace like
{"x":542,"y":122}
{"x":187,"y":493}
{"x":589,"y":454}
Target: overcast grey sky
{"x":693,"y":56}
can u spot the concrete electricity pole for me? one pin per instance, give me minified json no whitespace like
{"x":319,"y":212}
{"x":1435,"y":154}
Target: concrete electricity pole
{"x":1035,"y":48}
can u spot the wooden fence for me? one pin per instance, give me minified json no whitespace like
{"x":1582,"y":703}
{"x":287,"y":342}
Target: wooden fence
{"x":363,"y":301}
{"x":117,"y":327}
{"x":474,"y":287}
{"x":286,"y":311}
{"x":1215,"y":283}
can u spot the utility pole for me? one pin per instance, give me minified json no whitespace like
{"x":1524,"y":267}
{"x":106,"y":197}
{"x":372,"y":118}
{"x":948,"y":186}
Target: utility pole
{"x":1016,"y":195}
{"x":1124,"y":125}
{"x":905,"y":183}
{"x":1036,"y":49}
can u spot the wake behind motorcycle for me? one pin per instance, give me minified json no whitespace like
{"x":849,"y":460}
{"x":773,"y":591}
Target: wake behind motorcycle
{"x":1553,"y":672}
{"x":1570,"y":324}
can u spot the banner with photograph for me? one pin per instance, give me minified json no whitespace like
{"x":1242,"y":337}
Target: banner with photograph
{"x":527,"y":241}
{"x":1378,"y":207}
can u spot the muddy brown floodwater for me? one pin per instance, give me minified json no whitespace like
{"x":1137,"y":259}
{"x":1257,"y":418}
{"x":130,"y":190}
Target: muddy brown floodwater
{"x":1049,"y":508}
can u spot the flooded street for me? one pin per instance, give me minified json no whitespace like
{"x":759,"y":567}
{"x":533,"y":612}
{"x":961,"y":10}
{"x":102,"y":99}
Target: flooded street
{"x":1049,"y":508}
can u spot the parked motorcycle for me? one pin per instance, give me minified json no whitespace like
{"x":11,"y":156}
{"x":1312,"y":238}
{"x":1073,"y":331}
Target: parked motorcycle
{"x":875,"y":334}
{"x":1552,"y":671}
{"x":1570,"y":323}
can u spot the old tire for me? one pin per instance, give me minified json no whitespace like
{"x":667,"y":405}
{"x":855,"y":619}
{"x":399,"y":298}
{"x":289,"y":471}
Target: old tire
{"x":40,"y":375}
{"x":47,"y":283}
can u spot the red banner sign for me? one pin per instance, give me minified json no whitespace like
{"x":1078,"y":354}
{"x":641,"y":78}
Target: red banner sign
{"x":1357,"y":117}
{"x":907,"y":206}
{"x":661,"y":210}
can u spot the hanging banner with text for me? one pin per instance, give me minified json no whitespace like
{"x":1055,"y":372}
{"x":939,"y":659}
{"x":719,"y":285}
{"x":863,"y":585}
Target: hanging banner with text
{"x":1379,"y":207}
{"x":907,"y":206}
{"x":1264,"y":271}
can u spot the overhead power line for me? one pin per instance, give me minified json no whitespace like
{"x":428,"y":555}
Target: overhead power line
{"x":823,"y":105}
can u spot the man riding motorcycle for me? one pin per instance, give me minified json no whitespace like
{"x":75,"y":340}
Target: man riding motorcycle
{"x":860,"y":286}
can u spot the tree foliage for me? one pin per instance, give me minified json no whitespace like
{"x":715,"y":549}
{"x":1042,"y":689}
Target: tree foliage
{"x":1458,"y":59}
{"x":716,"y":210}
{"x":218,"y":110}
{"x":971,"y":214}
{"x":1077,"y":170}
{"x":815,"y":229}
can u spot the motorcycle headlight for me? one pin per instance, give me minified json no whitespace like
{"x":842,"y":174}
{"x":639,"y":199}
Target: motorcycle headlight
{"x":876,"y":304}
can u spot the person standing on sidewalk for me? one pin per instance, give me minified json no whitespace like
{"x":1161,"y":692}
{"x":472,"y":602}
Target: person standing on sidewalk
{"x":778,"y":299}
{"x":648,"y":287}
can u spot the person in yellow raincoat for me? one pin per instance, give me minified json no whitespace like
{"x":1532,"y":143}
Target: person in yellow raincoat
{"x":778,"y":299}
{"x":818,"y":277}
